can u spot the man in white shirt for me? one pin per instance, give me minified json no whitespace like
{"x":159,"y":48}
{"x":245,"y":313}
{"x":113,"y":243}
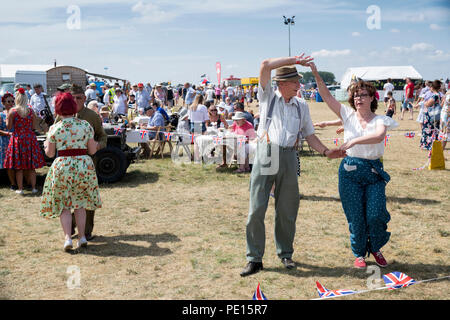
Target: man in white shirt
{"x":285,"y":120}
{"x":37,"y":100}
{"x":388,"y":87}
{"x":209,"y":94}
{"x":231,"y":93}
{"x":91,"y":93}
{"x":120,"y":103}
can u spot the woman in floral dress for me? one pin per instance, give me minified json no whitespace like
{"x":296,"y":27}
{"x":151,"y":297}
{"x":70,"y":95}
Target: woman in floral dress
{"x":5,"y":134}
{"x":71,"y":182}
{"x":23,"y":153}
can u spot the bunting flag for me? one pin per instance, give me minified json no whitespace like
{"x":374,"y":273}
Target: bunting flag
{"x":410,"y":134}
{"x":168,"y":135}
{"x":386,"y":139}
{"x":192,"y":138}
{"x":259,"y":295}
{"x":396,"y":280}
{"x":217,"y":140}
{"x":325,"y":293}
{"x":241,"y":141}
{"x":143,"y":133}
{"x":335,"y":141}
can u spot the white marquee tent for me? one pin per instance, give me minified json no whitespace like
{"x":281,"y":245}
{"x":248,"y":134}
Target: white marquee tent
{"x":379,"y":73}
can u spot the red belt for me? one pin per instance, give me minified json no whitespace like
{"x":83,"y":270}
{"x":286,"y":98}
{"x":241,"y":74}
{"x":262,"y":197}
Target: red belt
{"x":72,"y":152}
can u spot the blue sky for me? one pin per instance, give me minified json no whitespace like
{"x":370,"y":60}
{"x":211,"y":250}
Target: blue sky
{"x":155,"y":41}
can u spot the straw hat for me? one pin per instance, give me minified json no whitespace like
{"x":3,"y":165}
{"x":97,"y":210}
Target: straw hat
{"x":287,"y":73}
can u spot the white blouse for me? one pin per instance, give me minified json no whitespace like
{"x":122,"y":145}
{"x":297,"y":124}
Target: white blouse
{"x":353,"y":129}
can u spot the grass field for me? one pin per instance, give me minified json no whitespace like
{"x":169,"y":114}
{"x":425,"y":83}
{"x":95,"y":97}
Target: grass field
{"x":171,"y":231}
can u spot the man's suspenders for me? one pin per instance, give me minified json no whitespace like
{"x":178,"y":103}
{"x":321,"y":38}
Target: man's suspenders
{"x":269,"y":120}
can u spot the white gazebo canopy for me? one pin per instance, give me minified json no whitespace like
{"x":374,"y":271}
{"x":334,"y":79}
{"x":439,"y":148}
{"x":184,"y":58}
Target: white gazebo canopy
{"x":379,"y":73}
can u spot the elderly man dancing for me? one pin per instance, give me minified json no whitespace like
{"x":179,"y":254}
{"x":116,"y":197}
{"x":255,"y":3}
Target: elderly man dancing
{"x":284,"y":121}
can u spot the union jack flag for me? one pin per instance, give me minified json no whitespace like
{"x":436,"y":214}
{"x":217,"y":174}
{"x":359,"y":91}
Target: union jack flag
{"x":386,"y":139}
{"x":217,"y":140}
{"x":259,"y":295}
{"x":117,"y":131}
{"x":335,"y":141}
{"x":410,"y":134}
{"x":168,"y":135}
{"x":396,"y":280}
{"x":324,"y":292}
{"x":143,"y":133}
{"x":241,"y":142}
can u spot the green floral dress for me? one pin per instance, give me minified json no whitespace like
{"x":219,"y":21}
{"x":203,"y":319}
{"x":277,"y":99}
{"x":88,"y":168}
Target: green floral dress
{"x":71,"y":181}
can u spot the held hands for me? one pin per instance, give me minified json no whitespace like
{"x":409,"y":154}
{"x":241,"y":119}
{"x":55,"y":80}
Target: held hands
{"x":304,"y":61}
{"x":335,"y":153}
{"x":340,"y":130}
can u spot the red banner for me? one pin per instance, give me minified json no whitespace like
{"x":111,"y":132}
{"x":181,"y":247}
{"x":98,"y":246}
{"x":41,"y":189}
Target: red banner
{"x":218,"y":71}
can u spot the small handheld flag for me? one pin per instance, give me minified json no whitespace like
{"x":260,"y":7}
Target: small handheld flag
{"x":396,"y":280}
{"x":410,"y":135}
{"x":259,"y":295}
{"x":335,"y":141}
{"x":324,"y":292}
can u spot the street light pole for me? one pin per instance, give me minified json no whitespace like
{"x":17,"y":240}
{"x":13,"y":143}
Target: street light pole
{"x":289,"y":22}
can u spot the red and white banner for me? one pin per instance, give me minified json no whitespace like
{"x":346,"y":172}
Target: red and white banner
{"x":218,"y":71}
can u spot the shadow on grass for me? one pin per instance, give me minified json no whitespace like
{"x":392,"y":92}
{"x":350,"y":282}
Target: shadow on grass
{"x":417,"y":271}
{"x":133,"y":178}
{"x":406,"y":200}
{"x":119,"y":246}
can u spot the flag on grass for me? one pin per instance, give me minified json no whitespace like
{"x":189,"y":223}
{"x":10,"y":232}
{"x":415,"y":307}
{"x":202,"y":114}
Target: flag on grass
{"x":324,"y":292}
{"x":259,"y":295}
{"x":397,"y":280}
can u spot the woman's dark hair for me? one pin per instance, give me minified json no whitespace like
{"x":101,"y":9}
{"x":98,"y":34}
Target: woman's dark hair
{"x":65,"y":104}
{"x":6,"y":96}
{"x":436,"y":85}
{"x":363,"y":85}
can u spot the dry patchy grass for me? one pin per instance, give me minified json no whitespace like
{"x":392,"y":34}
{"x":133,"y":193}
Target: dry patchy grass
{"x":171,"y":231}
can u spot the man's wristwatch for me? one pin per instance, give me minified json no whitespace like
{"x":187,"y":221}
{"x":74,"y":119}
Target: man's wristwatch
{"x":324,"y":151}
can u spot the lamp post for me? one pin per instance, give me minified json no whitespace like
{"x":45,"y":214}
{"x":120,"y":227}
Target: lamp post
{"x":289,"y":22}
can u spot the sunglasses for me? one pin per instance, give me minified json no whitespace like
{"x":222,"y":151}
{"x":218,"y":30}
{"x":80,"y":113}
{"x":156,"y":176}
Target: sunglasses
{"x":9,"y":101}
{"x":213,"y":110}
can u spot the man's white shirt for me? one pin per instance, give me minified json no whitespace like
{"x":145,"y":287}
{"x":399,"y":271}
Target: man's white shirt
{"x":285,"y":124}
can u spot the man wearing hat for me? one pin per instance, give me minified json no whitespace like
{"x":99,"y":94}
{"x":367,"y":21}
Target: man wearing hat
{"x":99,"y":135}
{"x":284,"y":120}
{"x":39,"y":103}
{"x":91,"y":92}
{"x":142,"y":98}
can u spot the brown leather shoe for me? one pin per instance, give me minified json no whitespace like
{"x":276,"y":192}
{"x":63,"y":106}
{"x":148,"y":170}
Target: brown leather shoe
{"x":251,"y":268}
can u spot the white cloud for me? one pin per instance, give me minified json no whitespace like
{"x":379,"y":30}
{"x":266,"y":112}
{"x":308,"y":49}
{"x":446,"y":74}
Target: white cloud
{"x":356,"y":34}
{"x":330,"y":53}
{"x":435,"y":27}
{"x":152,"y":13}
{"x":439,"y":55}
{"x":393,"y":30}
{"x":15,"y":53}
{"x":416,"y":47}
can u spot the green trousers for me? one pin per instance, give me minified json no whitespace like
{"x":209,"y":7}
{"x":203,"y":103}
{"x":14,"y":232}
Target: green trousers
{"x":286,"y":200}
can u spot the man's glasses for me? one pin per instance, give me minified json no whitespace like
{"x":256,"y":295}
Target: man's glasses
{"x":360,"y":96}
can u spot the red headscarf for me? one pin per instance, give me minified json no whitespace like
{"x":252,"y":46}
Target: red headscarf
{"x":65,"y":104}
